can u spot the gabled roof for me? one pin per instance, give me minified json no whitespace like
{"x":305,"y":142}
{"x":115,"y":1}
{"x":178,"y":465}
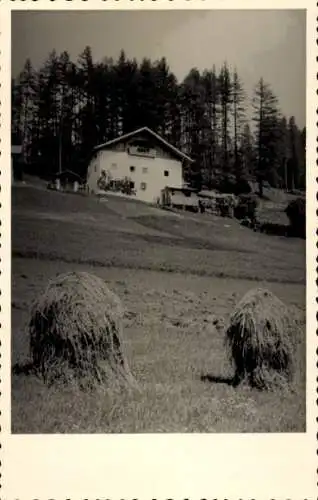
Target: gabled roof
{"x":172,"y":148}
{"x":68,"y":174}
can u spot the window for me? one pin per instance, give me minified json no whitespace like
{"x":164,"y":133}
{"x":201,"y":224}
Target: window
{"x":143,"y":186}
{"x":132,"y":169}
{"x":132,"y":185}
{"x":144,"y":170}
{"x":114,"y":166}
{"x":166,"y":173}
{"x":95,"y":168}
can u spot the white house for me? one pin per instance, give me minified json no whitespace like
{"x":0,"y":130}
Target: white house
{"x":140,"y":163}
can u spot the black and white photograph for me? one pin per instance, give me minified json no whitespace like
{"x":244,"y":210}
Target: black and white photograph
{"x":158,"y":221}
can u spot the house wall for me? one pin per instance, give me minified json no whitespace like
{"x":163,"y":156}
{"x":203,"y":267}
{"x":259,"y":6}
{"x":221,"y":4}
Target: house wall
{"x":147,"y":170}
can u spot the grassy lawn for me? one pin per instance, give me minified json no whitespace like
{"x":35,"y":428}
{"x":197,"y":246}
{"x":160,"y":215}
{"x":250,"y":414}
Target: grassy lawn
{"x":179,"y":277}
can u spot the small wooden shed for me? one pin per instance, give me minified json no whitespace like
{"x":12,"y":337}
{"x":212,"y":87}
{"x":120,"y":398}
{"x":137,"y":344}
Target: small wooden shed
{"x":67,"y":181}
{"x":16,"y":163}
{"x":183,"y":198}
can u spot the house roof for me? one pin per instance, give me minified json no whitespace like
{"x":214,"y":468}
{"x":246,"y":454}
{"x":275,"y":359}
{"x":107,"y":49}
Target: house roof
{"x":172,"y":148}
{"x":182,"y":189}
{"x":211,"y":194}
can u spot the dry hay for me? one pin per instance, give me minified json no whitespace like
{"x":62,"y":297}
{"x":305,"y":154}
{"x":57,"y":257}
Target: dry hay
{"x":76,"y":331}
{"x":261,"y":337}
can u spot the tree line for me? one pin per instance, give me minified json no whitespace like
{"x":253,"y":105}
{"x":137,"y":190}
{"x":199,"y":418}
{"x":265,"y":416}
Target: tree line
{"x":63,"y":110}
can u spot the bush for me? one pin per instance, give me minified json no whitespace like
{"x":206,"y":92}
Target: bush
{"x":296,"y":213}
{"x":246,"y":207}
{"x":274,"y":229}
{"x":230,"y":185}
{"x":225,"y":205}
{"x":242,"y":187}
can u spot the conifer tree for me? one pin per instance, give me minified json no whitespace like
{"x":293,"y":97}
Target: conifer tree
{"x":266,"y":118}
{"x":238,"y":98}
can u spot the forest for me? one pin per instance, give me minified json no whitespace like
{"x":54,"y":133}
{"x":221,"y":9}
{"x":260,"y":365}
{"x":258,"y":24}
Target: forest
{"x":65,"y":108}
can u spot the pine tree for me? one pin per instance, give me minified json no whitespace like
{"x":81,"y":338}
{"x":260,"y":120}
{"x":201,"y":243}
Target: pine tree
{"x":173,"y":117}
{"x":225,"y":88}
{"x":295,"y":152}
{"x":211,"y":135}
{"x":16,"y":104}
{"x":66,"y":110}
{"x":247,"y":151}
{"x":123,"y":79}
{"x":302,"y":177}
{"x":165,"y":100}
{"x":238,"y":98}
{"x":86,"y":112}
{"x":193,"y":124}
{"x":147,"y":112}
{"x":266,"y":118}
{"x":107,"y":110}
{"x":47,"y":143}
{"x":132,"y":105}
{"x":281,"y":153}
{"x":25,"y":91}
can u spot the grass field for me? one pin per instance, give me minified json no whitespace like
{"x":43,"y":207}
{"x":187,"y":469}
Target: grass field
{"x":179,"y":277}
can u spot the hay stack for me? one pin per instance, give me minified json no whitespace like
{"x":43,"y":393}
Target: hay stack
{"x":76,"y":331}
{"x":261,"y":337}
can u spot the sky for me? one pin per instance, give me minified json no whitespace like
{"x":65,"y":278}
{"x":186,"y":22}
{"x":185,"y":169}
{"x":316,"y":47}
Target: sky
{"x":259,"y":43}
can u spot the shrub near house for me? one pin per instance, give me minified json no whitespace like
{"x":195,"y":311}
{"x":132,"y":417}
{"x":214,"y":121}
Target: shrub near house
{"x":106,"y":183}
{"x":246,"y":207}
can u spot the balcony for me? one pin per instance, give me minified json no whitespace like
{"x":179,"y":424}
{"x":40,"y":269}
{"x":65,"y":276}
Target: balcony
{"x":142,"y":151}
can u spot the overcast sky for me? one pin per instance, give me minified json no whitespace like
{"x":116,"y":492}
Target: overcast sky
{"x":271,"y":44}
